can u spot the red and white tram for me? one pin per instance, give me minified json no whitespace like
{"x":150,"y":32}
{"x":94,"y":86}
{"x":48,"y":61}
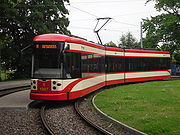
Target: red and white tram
{"x":65,"y":68}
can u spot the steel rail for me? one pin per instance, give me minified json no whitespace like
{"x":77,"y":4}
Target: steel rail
{"x":7,"y":91}
{"x":45,"y":123}
{"x":100,"y":129}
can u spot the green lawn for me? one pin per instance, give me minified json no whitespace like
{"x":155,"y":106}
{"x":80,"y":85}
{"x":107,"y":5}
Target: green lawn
{"x":151,"y":107}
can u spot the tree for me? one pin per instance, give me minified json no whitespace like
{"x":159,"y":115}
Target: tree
{"x":20,"y":21}
{"x":162,"y":31}
{"x":128,"y":41}
{"x":14,"y":2}
{"x":112,"y":44}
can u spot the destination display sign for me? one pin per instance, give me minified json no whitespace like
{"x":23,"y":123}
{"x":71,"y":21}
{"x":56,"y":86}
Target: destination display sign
{"x":46,"y":46}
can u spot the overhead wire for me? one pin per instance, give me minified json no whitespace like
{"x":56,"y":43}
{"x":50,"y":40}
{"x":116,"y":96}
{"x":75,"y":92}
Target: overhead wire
{"x":97,"y":16}
{"x":125,"y":23}
{"x":114,"y":30}
{"x":76,"y":27}
{"x":134,"y":13}
{"x":83,"y":20}
{"x":113,"y":20}
{"x":82,"y":10}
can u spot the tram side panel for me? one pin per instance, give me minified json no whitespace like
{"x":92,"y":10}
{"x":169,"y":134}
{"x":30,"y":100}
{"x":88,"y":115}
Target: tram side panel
{"x":114,"y":66}
{"x":92,"y":71}
{"x":144,"y":66}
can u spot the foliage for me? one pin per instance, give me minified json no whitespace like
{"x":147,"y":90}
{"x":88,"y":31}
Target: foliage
{"x":162,"y":31}
{"x":112,"y":44}
{"x":14,"y":2}
{"x":128,"y":41}
{"x":20,"y":21}
{"x":176,"y":57}
{"x":170,"y":6}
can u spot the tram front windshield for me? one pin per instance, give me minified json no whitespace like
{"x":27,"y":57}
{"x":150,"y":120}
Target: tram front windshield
{"x":48,"y":60}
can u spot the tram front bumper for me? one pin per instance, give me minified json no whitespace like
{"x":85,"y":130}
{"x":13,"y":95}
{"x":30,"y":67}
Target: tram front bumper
{"x":49,"y":96}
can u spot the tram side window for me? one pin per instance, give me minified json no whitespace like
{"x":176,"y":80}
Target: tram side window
{"x":130,"y":63}
{"x":72,"y":65}
{"x":146,"y":64}
{"x":114,"y":64}
{"x":91,"y":63}
{"x":164,"y":63}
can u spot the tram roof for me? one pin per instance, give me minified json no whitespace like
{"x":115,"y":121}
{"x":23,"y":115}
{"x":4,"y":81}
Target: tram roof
{"x":145,"y":51}
{"x":65,"y":38}
{"x":114,"y":49}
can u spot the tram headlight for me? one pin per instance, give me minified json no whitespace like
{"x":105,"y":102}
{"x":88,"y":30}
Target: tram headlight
{"x":56,"y":85}
{"x":54,"y":82}
{"x":34,"y":84}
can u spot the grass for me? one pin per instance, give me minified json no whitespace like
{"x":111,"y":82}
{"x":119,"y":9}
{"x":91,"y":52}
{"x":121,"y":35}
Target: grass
{"x":151,"y":107}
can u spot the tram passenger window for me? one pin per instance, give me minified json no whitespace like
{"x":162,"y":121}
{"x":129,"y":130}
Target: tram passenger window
{"x":72,"y":65}
{"x":146,"y":64}
{"x":114,"y":64}
{"x":91,"y":64}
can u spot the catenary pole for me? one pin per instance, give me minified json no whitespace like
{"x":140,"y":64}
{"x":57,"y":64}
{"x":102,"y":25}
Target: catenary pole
{"x":141,"y":35}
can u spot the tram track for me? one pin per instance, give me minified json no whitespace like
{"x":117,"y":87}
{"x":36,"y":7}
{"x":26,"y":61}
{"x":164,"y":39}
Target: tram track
{"x":24,"y":120}
{"x":62,"y":118}
{"x":7,"y":91}
{"x":44,"y":121}
{"x":45,"y":125}
{"x":94,"y":125}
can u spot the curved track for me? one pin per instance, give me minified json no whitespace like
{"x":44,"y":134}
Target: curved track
{"x":103,"y":131}
{"x":15,"y":97}
{"x":22,"y":116}
{"x":12,"y":90}
{"x":43,"y":108}
{"x":45,"y":123}
{"x":73,"y":121}
{"x":65,"y":107}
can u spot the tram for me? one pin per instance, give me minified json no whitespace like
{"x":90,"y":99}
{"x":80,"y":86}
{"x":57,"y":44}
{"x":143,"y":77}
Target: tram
{"x":66,"y":68}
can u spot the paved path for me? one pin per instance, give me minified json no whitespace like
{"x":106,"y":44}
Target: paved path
{"x":15,"y":100}
{"x":10,"y":84}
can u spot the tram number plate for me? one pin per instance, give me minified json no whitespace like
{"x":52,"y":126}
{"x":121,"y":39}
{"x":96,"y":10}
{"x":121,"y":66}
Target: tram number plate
{"x":44,"y":88}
